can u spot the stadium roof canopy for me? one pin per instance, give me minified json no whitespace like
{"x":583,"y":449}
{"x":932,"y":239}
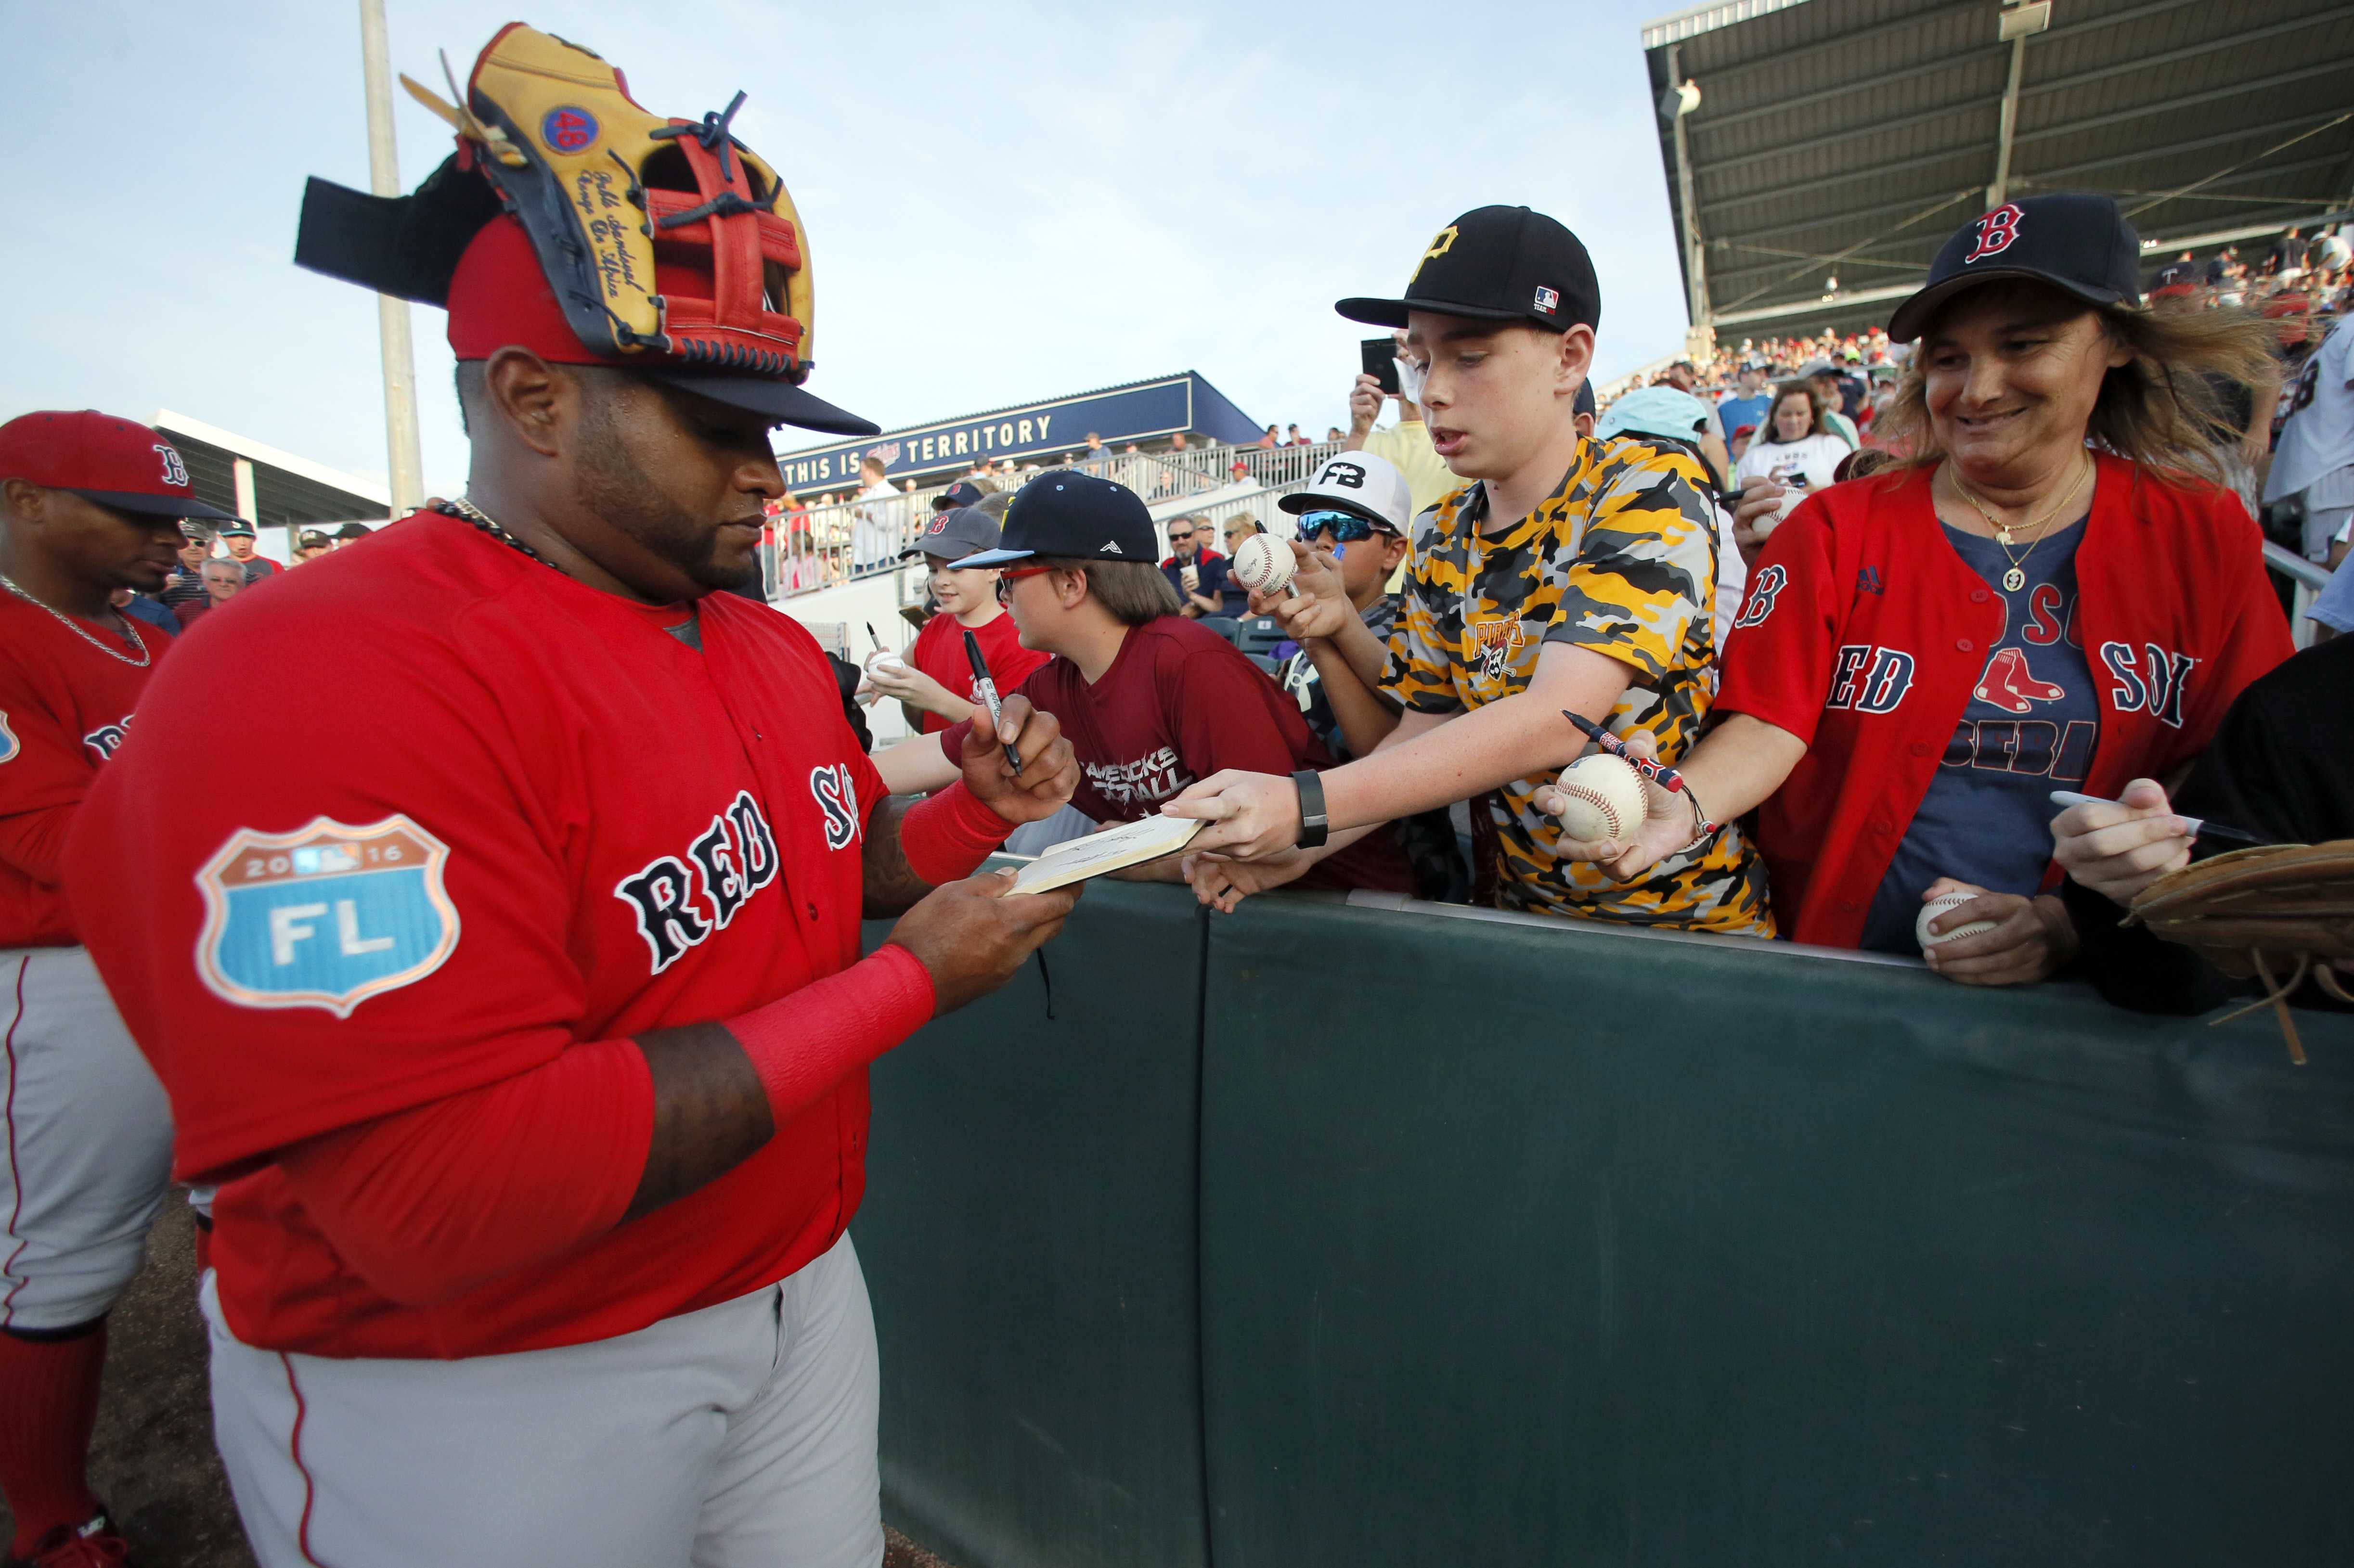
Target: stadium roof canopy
{"x":1845,"y":139}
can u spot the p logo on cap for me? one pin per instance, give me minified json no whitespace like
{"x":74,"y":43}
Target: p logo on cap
{"x":1440,"y":244}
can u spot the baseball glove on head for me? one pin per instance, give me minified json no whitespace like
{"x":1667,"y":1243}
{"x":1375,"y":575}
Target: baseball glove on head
{"x":2276,"y":914}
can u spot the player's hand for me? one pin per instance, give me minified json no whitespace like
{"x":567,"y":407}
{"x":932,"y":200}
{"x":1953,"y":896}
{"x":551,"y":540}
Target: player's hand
{"x":1251,"y":815}
{"x":1667,"y":824}
{"x":1754,"y":513}
{"x":2119,"y":850}
{"x":1223,"y":883}
{"x":971,"y":936}
{"x":2031,"y":939}
{"x":909,"y":684}
{"x":1321,"y":607}
{"x":1365,"y":404}
{"x":1049,"y":772}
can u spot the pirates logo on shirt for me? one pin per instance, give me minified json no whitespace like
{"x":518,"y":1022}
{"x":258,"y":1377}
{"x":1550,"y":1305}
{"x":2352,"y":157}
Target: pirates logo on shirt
{"x":1497,"y":641}
{"x":325,"y":917}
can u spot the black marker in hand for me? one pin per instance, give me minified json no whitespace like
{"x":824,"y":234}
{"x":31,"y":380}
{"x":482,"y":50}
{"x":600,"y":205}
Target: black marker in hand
{"x":988,"y":689}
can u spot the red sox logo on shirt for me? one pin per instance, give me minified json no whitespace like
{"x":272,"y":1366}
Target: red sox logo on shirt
{"x":1997,"y":229}
{"x":677,"y":908}
{"x":1868,"y":679}
{"x":1763,"y":590}
{"x":106,"y":737}
{"x":837,"y":797}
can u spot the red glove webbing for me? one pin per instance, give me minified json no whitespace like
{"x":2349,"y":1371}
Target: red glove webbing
{"x":947,"y":836}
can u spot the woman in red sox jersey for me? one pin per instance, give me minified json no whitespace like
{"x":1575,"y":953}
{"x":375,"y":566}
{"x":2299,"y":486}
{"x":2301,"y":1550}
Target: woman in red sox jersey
{"x":2053,"y":592}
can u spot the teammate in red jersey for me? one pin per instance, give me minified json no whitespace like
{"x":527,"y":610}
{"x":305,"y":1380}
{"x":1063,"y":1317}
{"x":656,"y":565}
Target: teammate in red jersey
{"x":91,"y":504}
{"x":514,"y":996}
{"x":1924,"y":655}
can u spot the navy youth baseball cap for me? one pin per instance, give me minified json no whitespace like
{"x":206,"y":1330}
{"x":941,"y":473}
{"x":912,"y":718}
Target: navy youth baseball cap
{"x":2076,"y":241}
{"x":1077,"y":516}
{"x":952,"y":535}
{"x":1497,"y":264}
{"x":963,"y":493}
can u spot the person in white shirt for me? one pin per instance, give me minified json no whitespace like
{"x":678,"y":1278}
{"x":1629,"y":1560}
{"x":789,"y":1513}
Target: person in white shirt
{"x":874,"y":526}
{"x":2313,"y":466}
{"x":1792,"y":456}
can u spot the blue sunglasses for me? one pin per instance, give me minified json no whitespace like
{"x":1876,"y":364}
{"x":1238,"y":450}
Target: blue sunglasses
{"x":1346,"y":527}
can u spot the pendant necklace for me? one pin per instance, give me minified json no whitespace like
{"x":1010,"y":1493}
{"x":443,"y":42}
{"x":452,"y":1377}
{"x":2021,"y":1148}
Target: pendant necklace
{"x":2016,"y":578}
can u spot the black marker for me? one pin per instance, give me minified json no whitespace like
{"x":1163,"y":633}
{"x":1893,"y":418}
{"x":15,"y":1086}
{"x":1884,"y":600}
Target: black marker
{"x":988,"y":689}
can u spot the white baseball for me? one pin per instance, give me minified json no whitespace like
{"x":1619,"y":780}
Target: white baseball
{"x":1938,"y":905}
{"x":891,"y":662}
{"x":1602,"y":798}
{"x":1264,"y":563}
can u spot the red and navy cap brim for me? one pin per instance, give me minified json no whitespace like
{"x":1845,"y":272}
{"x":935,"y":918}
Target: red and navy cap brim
{"x":1911,"y":317}
{"x":148,"y":506}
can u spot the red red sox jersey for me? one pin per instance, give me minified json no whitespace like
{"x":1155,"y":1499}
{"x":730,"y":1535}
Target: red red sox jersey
{"x":64,"y":706}
{"x":939,"y":652}
{"x":511,"y":816}
{"x":1864,"y":634}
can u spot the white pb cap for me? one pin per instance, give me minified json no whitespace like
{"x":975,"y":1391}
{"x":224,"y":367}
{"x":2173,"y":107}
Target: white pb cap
{"x":1358,"y":482}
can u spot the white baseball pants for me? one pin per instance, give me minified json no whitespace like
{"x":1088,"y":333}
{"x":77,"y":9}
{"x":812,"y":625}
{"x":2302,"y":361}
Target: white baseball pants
{"x":739,"y":1436}
{"x":88,"y":1136}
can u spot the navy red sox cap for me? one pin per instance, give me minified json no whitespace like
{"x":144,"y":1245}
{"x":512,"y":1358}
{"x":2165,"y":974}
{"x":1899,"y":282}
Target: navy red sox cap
{"x":1497,"y":264}
{"x":963,"y":493}
{"x":2077,"y":241}
{"x":1076,"y":516}
{"x":114,"y":461}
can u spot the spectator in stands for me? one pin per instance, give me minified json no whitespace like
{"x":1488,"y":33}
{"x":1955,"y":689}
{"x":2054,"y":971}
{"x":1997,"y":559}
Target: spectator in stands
{"x":1405,"y":445}
{"x":224,"y":580}
{"x":1751,"y":403}
{"x":1205,"y":536}
{"x":1794,"y":455}
{"x":1149,"y":701}
{"x":963,"y":493}
{"x":1824,"y":377}
{"x":2311,"y":486}
{"x":1684,"y":377}
{"x":1197,"y":573}
{"x":1738,"y":445}
{"x":1658,"y":414}
{"x":875,"y":526}
{"x":1335,"y":433}
{"x":1853,"y":393}
{"x":144,"y":609}
{"x":2057,"y":445}
{"x":802,"y":569}
{"x":1293,"y":438}
{"x":1233,"y":599}
{"x":186,"y":585}
{"x":1098,"y":454}
{"x":311,"y":546}
{"x":352,"y":534}
{"x":934,"y":680}
{"x":1269,"y":439}
{"x":1567,"y":574}
{"x":2242,"y":435}
{"x":238,"y":534}
{"x":1356,"y":513}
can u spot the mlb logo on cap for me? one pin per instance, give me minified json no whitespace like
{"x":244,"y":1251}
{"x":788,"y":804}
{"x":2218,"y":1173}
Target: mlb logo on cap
{"x":1547,"y":301}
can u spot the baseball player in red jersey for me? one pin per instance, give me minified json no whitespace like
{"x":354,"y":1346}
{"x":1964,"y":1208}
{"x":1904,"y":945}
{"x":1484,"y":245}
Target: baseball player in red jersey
{"x":1925,"y":654}
{"x":514,"y":996}
{"x":91,"y":503}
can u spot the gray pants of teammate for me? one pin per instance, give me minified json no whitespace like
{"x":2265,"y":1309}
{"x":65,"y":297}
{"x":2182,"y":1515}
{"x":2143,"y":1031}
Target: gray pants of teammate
{"x":739,"y":1436}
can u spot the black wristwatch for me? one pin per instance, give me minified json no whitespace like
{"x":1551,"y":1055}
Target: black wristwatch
{"x":1314,"y":826}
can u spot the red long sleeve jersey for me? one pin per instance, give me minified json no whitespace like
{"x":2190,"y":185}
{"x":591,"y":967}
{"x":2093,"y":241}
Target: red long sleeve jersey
{"x":1864,"y":632}
{"x":510,"y":815}
{"x":65,"y":706}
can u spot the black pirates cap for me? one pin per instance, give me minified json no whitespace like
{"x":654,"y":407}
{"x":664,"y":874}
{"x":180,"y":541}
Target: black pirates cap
{"x":2077,"y":241}
{"x":1065,"y":513}
{"x":1498,"y":264}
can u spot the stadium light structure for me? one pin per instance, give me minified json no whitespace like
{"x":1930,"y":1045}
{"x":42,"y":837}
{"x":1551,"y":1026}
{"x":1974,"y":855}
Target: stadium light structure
{"x":2019,"y":22}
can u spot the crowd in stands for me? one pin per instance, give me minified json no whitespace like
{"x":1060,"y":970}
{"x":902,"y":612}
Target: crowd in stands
{"x":205,"y":580}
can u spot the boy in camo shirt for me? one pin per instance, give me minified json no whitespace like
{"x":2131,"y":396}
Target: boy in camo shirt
{"x":1569,"y":574}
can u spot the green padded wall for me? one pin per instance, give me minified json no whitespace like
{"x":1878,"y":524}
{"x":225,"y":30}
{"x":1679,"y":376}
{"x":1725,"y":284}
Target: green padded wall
{"x":1030,"y":1240}
{"x":1553,"y":1246}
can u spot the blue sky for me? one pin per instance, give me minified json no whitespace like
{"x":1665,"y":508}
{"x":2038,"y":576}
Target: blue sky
{"x":1003,"y":202}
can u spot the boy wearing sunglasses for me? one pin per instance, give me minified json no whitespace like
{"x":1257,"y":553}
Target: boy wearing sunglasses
{"x":1356,"y":512}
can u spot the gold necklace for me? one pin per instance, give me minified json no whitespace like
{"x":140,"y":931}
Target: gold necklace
{"x":75,"y":627}
{"x":2016,"y":578}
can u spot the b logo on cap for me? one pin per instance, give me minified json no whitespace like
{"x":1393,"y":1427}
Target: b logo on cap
{"x":175,"y":473}
{"x":568,"y":129}
{"x":1997,"y":229}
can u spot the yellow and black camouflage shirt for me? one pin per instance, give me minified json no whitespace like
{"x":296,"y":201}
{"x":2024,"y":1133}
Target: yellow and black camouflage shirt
{"x":1620,"y":559}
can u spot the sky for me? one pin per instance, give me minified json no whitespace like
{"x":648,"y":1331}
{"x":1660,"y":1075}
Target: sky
{"x":1004,"y":202}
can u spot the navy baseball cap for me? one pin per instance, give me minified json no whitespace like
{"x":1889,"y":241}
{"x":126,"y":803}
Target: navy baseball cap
{"x":963,"y":493}
{"x":2076,"y":241}
{"x":1584,"y":400}
{"x":1498,"y":264}
{"x":1073,"y":515}
{"x":954,"y":533}
{"x":235,"y":525}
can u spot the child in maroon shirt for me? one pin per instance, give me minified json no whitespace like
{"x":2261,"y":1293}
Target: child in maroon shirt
{"x":1150,"y":700}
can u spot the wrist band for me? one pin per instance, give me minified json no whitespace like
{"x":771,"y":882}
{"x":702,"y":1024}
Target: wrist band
{"x":948,"y":835}
{"x":1702,"y":829}
{"x":1314,"y":827}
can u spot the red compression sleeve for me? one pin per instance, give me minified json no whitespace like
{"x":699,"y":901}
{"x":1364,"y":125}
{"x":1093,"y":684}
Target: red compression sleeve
{"x":804,"y":1045}
{"x":948,"y":834}
{"x":428,"y":1203}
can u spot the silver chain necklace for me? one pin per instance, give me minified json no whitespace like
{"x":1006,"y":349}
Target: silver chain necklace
{"x":466,"y":511}
{"x":74,"y":626}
